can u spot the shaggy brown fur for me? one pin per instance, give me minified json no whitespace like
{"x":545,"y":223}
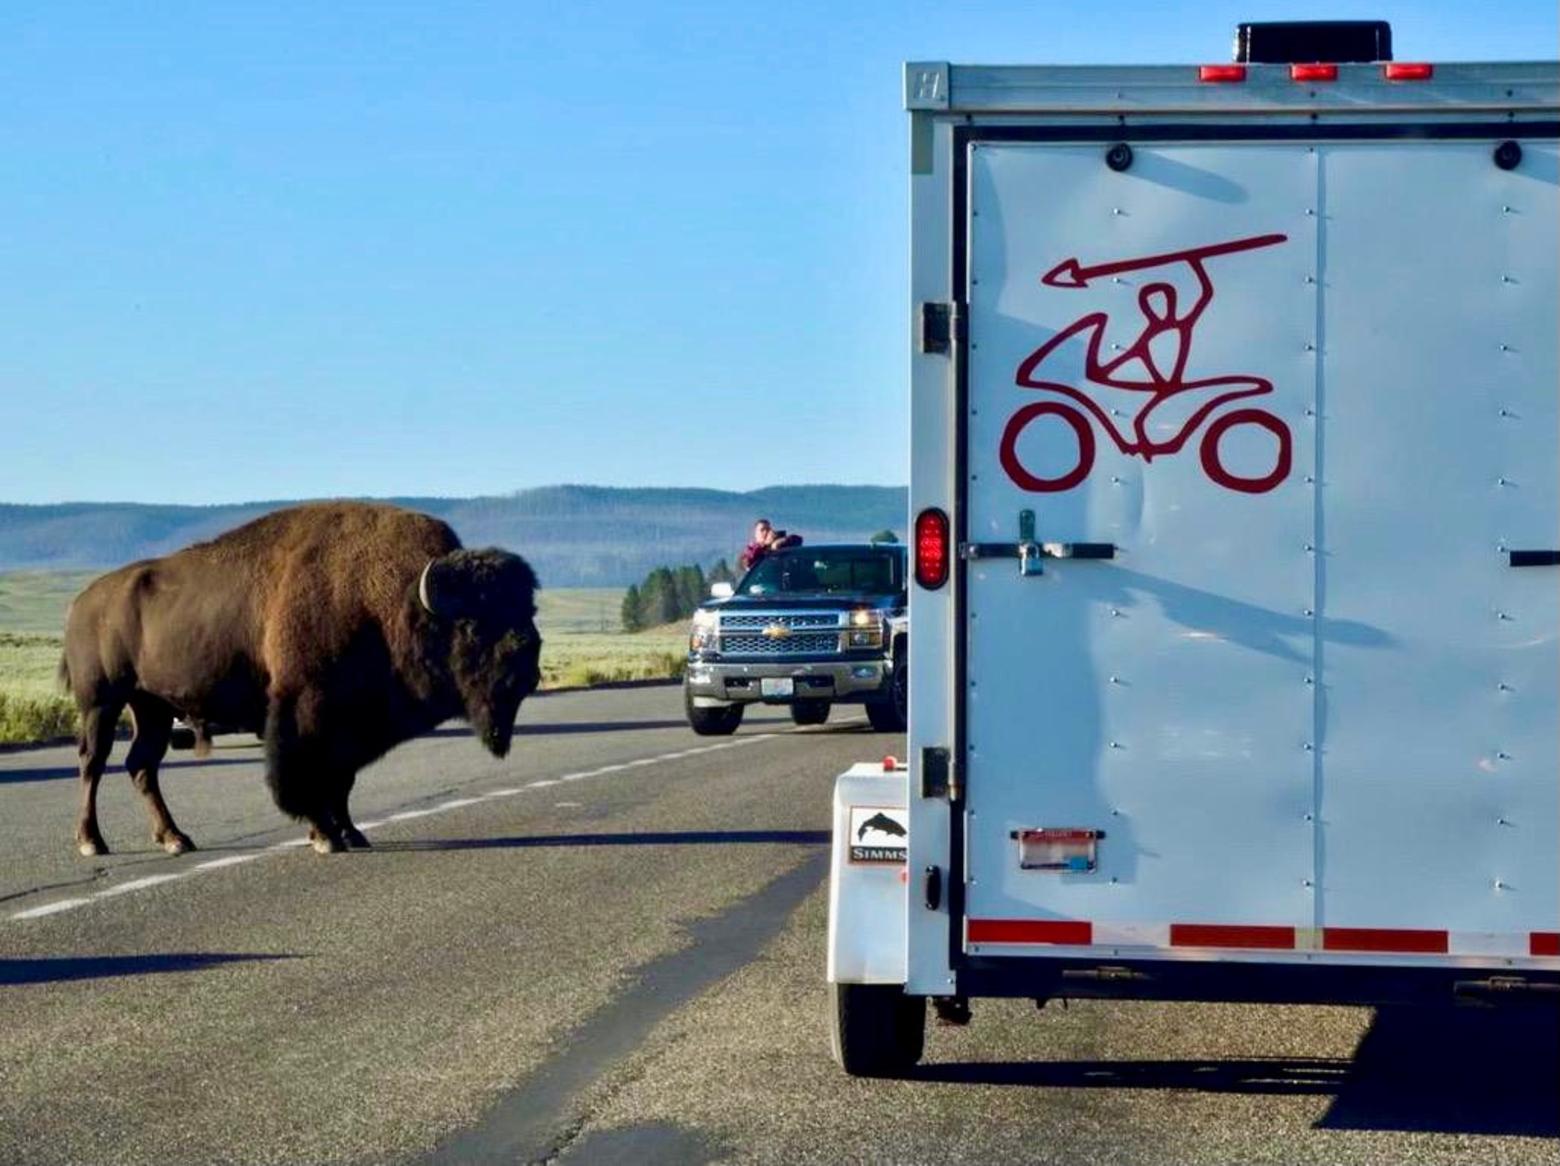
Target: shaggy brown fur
{"x":308,"y":626}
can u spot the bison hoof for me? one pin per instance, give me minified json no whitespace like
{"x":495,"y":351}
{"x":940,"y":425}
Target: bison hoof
{"x":91,"y":847}
{"x":176,"y":843}
{"x":325,"y":844}
{"x":356,"y":839}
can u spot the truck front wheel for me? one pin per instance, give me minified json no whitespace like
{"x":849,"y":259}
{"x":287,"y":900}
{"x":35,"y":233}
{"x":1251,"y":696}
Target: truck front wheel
{"x":891,"y":713}
{"x":876,"y":1030}
{"x":715,"y":721}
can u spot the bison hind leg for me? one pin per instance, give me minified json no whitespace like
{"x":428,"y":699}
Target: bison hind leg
{"x":153,"y":726}
{"x":98,"y":722}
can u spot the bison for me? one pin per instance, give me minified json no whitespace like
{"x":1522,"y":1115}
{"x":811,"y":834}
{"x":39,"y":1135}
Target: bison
{"x":334,"y":630}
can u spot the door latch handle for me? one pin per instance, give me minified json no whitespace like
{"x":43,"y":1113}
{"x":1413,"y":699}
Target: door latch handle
{"x":1031,"y":552}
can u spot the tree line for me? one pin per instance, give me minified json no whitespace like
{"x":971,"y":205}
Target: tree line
{"x":669,"y":594}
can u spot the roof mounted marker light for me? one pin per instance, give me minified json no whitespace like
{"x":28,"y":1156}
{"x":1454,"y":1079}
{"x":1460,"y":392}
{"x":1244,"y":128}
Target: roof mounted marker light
{"x":1313,"y":72}
{"x":1221,"y":74}
{"x":1407,"y":71}
{"x":931,"y":548}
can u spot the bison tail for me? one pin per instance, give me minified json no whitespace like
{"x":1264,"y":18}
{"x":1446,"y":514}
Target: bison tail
{"x":62,"y":675}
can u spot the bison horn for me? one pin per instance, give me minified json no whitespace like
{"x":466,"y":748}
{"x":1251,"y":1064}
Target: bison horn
{"x":422,"y":588}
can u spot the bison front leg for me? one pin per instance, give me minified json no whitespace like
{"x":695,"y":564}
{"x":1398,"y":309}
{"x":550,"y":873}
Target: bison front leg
{"x":353,"y":837}
{"x":93,"y":746}
{"x":298,"y":778}
{"x":153,"y":726}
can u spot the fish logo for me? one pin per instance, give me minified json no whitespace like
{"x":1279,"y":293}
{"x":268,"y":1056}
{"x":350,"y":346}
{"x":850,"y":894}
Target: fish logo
{"x":883,"y":824}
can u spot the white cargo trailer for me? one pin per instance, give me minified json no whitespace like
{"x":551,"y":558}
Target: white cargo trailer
{"x":1235,"y":411}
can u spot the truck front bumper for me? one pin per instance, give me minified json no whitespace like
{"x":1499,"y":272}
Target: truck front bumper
{"x":712,"y":683}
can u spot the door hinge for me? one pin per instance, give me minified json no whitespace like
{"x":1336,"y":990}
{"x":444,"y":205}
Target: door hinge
{"x":942,"y":326}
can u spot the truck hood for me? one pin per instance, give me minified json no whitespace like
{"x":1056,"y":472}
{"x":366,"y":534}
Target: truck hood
{"x":803,"y":602}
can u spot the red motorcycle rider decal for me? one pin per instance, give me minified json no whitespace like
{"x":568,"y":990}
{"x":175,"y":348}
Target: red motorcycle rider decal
{"x":1141,"y":369}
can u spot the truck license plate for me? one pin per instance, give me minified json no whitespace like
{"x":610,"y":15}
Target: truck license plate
{"x":773,"y":686}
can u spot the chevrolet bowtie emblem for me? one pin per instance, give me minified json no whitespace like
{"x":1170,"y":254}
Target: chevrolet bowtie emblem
{"x":777,"y":631}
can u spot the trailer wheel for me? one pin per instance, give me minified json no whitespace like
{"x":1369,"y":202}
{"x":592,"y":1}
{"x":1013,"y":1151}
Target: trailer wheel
{"x":810,"y":712}
{"x":719,"y":721}
{"x":876,"y":1030}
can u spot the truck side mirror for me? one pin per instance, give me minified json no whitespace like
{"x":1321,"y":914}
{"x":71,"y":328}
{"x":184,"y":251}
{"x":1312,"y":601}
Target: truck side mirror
{"x":721,"y":590}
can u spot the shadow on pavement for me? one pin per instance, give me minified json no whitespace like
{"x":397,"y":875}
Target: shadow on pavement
{"x":1462,"y":1071}
{"x":664,"y":838}
{"x":54,"y":969}
{"x":1427,"y":1070}
{"x":60,"y":772}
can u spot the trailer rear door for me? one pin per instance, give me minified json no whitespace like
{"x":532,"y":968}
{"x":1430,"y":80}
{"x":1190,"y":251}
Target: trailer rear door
{"x":1306,"y":391}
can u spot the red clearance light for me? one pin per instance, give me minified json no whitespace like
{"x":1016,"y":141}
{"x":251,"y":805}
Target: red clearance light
{"x":1313,"y":72}
{"x":890,"y":763}
{"x":931,"y":548}
{"x":1407,"y":71}
{"x":1221,"y":73}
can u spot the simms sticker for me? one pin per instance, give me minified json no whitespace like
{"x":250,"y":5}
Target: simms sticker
{"x":878,"y":834}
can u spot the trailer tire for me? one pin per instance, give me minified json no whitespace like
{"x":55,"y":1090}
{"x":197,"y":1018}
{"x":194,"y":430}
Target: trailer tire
{"x":182,"y":737}
{"x":875,"y":1029}
{"x":720,"y":721}
{"x":810,"y":712}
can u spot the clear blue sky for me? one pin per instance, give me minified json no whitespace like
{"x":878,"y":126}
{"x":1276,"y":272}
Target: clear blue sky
{"x":275,"y":250}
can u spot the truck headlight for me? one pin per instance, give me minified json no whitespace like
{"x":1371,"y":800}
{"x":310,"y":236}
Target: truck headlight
{"x":866,"y":629}
{"x":702,"y":634}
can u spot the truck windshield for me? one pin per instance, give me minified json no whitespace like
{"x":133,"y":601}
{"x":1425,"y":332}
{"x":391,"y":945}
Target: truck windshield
{"x":825,"y":571}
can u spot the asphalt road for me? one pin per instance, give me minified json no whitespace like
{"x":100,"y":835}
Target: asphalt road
{"x":609,"y":948}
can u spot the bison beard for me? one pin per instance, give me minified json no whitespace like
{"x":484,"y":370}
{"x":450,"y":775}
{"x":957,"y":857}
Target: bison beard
{"x":337,"y":630}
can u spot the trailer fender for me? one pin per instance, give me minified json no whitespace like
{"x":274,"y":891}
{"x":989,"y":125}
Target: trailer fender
{"x":868,"y":876}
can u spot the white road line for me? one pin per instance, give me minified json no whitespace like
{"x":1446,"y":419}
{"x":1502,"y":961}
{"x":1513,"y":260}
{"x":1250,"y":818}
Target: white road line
{"x":142,"y":884}
{"x":50,"y":909}
{"x":137,"y":885}
{"x":230,"y":860}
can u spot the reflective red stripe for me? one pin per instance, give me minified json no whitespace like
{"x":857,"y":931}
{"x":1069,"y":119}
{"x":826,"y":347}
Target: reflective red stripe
{"x":1072,"y":931}
{"x":1228,"y":935}
{"x":1251,"y":937}
{"x":1383,"y":939}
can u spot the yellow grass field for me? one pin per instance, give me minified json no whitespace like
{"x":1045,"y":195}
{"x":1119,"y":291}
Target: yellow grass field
{"x":582,"y":646}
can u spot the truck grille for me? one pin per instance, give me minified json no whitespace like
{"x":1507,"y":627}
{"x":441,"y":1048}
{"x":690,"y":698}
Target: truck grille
{"x":806,"y":619}
{"x":796,"y":644}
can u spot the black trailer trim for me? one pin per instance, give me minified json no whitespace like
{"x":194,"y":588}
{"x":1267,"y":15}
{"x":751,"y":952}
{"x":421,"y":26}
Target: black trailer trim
{"x":1249,"y":982}
{"x":964,"y":136}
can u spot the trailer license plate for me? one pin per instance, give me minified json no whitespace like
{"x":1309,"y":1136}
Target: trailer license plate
{"x":775,"y":686}
{"x":1049,"y":848}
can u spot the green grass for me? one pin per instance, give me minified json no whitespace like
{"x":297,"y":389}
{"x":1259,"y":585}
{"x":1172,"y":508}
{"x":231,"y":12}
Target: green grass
{"x":579,"y":625}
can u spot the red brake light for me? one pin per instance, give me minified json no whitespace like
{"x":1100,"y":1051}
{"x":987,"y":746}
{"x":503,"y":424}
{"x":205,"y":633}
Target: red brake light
{"x":1407,"y":71}
{"x":1221,"y":73}
{"x":1313,"y":72}
{"x":931,"y":548}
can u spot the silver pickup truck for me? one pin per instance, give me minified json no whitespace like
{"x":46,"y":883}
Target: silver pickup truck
{"x":808,"y":627}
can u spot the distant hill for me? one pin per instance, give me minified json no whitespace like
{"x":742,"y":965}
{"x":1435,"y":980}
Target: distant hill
{"x":575,"y":536}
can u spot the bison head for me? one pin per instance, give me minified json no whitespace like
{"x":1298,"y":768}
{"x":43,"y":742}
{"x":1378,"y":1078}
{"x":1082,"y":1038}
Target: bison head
{"x":488,"y":598}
